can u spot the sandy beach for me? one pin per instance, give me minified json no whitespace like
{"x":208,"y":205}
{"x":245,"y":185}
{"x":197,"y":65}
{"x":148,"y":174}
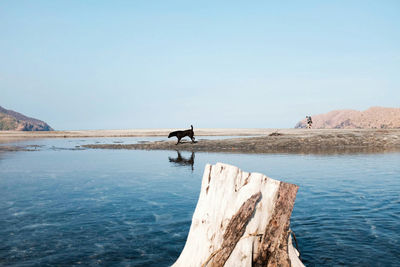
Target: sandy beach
{"x":244,"y":141}
{"x":9,"y":135}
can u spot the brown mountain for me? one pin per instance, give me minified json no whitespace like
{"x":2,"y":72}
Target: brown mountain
{"x":11,"y":120}
{"x":374,"y":117}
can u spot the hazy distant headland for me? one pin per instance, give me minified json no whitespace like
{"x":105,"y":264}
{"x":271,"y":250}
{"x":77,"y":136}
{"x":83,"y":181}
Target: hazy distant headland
{"x":372,"y":118}
{"x":11,"y":120}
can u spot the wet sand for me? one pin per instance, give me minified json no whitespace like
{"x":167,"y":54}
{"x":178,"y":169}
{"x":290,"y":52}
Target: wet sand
{"x":257,"y":140}
{"x":316,"y":141}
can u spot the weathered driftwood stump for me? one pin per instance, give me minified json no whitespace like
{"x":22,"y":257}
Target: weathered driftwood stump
{"x":241,"y":219}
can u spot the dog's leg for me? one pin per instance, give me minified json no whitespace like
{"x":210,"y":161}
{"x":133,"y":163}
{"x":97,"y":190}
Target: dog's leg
{"x":178,"y":141}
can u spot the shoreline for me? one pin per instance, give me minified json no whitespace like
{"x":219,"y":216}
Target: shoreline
{"x":165,"y":132}
{"x":326,"y":141}
{"x":308,"y":141}
{"x":133,"y":133}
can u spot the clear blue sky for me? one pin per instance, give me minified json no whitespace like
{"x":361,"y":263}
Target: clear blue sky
{"x":166,"y":64}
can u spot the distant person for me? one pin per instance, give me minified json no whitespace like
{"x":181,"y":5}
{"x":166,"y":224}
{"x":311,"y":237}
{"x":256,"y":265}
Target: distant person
{"x":309,"y":122}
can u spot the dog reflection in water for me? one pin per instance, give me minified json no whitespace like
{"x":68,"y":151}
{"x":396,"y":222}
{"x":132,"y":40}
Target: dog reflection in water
{"x":181,"y":161}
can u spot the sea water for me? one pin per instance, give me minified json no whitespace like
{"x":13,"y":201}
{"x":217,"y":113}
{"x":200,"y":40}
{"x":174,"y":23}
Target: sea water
{"x":134,"y":208}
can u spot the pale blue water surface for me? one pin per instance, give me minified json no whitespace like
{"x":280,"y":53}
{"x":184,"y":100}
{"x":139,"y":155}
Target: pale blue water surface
{"x":134,"y":208}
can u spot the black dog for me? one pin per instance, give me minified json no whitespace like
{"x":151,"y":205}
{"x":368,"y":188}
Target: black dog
{"x":181,"y":134}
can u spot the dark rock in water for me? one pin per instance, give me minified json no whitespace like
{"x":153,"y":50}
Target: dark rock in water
{"x":275,"y":134}
{"x":11,"y":120}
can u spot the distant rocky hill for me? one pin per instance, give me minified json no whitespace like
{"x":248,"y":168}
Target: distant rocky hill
{"x":374,"y":117}
{"x":11,"y":120}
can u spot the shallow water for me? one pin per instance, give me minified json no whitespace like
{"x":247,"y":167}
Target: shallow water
{"x":134,"y":208}
{"x":77,"y":143}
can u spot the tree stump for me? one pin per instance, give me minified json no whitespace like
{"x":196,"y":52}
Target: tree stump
{"x":241,"y":219}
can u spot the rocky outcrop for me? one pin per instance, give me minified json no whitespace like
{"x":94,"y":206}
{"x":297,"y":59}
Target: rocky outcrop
{"x":373,"y":118}
{"x":11,"y":120}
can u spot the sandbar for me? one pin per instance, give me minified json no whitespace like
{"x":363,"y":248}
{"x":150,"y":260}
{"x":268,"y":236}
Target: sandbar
{"x":309,"y":141}
{"x":319,"y":141}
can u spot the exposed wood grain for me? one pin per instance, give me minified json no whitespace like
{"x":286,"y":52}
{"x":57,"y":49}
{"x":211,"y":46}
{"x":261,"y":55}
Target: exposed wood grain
{"x":235,"y":230}
{"x":273,"y":248}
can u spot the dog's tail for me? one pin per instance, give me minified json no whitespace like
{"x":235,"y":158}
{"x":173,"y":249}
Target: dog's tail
{"x":191,"y":127}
